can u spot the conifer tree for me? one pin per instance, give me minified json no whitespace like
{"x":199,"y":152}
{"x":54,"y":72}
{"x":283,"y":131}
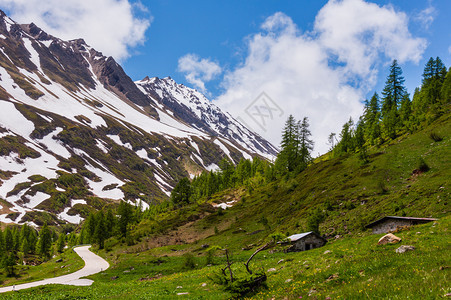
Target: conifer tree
{"x":60,"y":243}
{"x":110,"y":223}
{"x":44,"y":241}
{"x":371,"y":119}
{"x":2,"y":242}
{"x":9,"y":261}
{"x":393,"y":93}
{"x":100,"y":231}
{"x":346,"y":143}
{"x":433,"y":77}
{"x":405,"y":113}
{"x":9,"y":240}
{"x":125,"y":212}
{"x":446,"y":88}
{"x":89,"y":227}
{"x":72,"y":239}
{"x":16,"y":238}
{"x":305,"y":144}
{"x":359,"y":135}
{"x":182,"y":192}
{"x":287,"y":160}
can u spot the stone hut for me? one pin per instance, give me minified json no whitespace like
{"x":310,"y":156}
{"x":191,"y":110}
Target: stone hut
{"x":391,"y":223}
{"x":305,"y":241}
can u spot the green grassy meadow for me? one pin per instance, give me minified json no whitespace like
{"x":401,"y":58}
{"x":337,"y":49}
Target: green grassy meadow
{"x":355,"y":268}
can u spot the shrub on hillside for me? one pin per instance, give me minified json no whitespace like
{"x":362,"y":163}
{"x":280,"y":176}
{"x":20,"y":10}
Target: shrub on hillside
{"x":435,"y":136}
{"x":422,"y":165}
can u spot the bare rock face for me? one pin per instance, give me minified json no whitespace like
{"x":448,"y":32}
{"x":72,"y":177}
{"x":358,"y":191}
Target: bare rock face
{"x":405,"y":248}
{"x":389,"y":239}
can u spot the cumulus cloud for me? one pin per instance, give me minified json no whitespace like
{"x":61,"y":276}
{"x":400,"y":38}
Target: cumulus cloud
{"x":198,"y":71}
{"x":323,"y":74}
{"x":110,"y":26}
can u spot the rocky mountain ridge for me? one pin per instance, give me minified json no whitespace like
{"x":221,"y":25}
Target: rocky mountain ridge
{"x":76,"y":133}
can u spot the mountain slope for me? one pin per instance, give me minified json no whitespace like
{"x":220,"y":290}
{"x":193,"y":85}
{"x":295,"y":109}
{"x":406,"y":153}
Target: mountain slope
{"x":342,"y":194}
{"x":76,"y":132}
{"x":194,"y":108}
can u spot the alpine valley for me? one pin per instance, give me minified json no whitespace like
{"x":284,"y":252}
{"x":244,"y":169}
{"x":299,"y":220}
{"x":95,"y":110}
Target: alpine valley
{"x":177,"y":199}
{"x":77,"y":132}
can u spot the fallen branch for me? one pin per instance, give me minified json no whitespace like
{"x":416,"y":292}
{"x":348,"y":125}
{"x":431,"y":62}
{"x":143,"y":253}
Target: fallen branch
{"x":255,"y":253}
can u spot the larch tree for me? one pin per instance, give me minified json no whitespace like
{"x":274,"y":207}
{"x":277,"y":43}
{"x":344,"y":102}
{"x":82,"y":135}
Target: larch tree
{"x":60,"y":243}
{"x":44,"y":241}
{"x":100,"y":232}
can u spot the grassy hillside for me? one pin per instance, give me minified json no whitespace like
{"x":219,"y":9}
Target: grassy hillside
{"x":409,"y":176}
{"x":345,"y":191}
{"x":352,"y":268}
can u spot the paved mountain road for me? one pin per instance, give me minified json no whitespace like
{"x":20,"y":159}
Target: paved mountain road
{"x":93,"y":264}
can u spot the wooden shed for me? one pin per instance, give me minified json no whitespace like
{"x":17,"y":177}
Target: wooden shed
{"x":305,"y":241}
{"x":392,"y":223}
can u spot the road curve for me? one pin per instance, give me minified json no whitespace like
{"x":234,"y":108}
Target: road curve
{"x":93,"y":264}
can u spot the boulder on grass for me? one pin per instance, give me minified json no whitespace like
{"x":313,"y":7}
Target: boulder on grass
{"x":405,"y":248}
{"x":389,"y":239}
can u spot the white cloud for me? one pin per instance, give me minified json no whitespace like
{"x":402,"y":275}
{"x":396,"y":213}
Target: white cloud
{"x":198,"y":71}
{"x":323,"y":74}
{"x":109,"y":26}
{"x":426,"y":16}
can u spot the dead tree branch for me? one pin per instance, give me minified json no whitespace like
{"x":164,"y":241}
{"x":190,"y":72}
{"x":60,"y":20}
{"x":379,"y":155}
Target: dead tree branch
{"x":228,"y":265}
{"x":255,"y":253}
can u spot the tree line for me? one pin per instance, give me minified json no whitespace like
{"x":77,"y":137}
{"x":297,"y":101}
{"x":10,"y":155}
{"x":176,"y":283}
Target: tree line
{"x":294,"y":157}
{"x":393,"y":113}
{"x":21,"y":243}
{"x":247,"y":173}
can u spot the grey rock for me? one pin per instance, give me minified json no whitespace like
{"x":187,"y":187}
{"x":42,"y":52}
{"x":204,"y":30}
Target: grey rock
{"x":405,"y":248}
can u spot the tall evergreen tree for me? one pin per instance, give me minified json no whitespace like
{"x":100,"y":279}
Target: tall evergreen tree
{"x":287,"y":160}
{"x":346,"y":143}
{"x":359,"y":135}
{"x":305,"y":144}
{"x":110,"y":223}
{"x":125,"y":212}
{"x":405,"y":113}
{"x":89,"y":227}
{"x":44,"y":241}
{"x":392,"y":95}
{"x":433,"y":77}
{"x":100,"y":231}
{"x":181,"y":193}
{"x":60,"y":243}
{"x":9,"y":240}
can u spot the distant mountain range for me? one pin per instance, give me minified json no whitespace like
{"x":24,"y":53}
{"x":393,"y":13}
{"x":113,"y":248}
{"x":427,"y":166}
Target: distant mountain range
{"x":76,"y":133}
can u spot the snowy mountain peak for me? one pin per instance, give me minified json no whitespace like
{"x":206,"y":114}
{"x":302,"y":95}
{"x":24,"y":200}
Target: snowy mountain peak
{"x":76,"y":130}
{"x":194,"y":108}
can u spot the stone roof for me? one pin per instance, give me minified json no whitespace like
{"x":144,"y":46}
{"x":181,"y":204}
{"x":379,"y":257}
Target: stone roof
{"x":419,"y":220}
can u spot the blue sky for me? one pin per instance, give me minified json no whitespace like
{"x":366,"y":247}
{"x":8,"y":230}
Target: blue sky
{"x":218,"y":29}
{"x":318,"y":59}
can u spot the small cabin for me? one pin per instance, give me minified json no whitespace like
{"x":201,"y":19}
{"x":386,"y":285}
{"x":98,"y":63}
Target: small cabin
{"x":392,"y":223}
{"x":305,"y":241}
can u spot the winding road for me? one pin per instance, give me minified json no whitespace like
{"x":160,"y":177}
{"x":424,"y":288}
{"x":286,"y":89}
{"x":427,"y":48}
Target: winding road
{"x":93,"y":264}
